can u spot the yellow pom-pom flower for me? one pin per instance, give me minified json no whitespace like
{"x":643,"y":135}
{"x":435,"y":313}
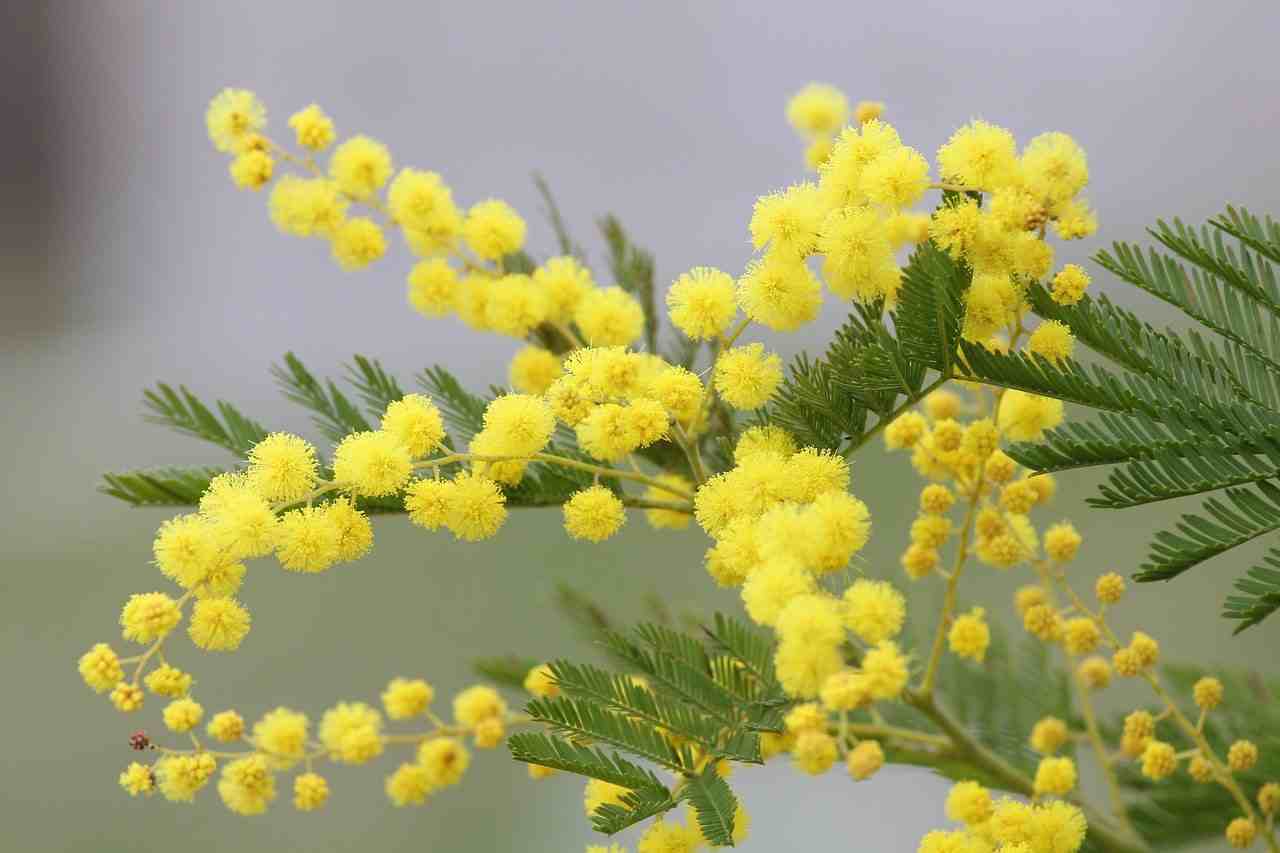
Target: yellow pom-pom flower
{"x":865,"y":760}
{"x":875,"y":610}
{"x":700,"y":303}
{"x":283,"y":467}
{"x":310,"y":792}
{"x":1052,"y":340}
{"x":1025,"y":417}
{"x":477,"y":507}
{"x":1055,"y":776}
{"x":788,"y":221}
{"x":593,"y":514}
{"x":218,"y":624}
{"x":405,"y":698}
{"x":252,"y":170}
{"x":445,"y":760}
{"x":226,"y":726}
{"x":969,"y":636}
{"x":818,"y":109}
{"x":1048,"y":735}
{"x":533,"y":370}
{"x":968,"y":802}
{"x":1207,"y":693}
{"x":309,"y":541}
{"x":979,"y":155}
{"x":307,"y":207}
{"x":360,"y":166}
{"x":1069,"y":285}
{"x":747,"y":376}
{"x":312,"y":128}
{"x":372,"y":463}
{"x":609,"y":317}
{"x":183,"y":715}
{"x":433,"y":287}
{"x":493,"y":229}
{"x":149,"y":616}
{"x":780,"y":292}
{"x":357,"y":243}
{"x":1242,"y":755}
{"x":166,"y":680}
{"x":352,"y":732}
{"x":100,"y":668}
{"x":1109,"y":588}
{"x":281,"y":735}
{"x":232,"y":115}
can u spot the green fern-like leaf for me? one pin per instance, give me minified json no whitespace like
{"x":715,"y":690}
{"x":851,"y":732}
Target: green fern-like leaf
{"x":183,"y":411}
{"x":638,"y":805}
{"x":159,"y":486}
{"x":547,"y":751}
{"x":714,"y":804}
{"x":586,"y":719}
{"x":331,"y":411}
{"x":377,"y":388}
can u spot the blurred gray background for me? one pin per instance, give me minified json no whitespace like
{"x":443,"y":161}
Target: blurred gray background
{"x":129,"y":258}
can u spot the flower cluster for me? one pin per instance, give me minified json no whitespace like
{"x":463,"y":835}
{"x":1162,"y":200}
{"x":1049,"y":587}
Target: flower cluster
{"x":641,"y":431}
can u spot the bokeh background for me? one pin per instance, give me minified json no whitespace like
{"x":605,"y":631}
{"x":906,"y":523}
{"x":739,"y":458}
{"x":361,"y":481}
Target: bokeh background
{"x":129,"y":258}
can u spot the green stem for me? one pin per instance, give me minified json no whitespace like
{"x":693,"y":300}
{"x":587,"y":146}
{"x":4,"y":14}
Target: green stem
{"x":861,"y":440}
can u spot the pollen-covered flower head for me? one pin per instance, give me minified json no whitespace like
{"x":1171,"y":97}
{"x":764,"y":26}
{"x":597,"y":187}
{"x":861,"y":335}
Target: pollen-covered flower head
{"x":477,"y":507}
{"x":283,"y":467}
{"x":1054,"y":167}
{"x":232,"y":115}
{"x":818,"y":109}
{"x":180,"y":777}
{"x":747,"y":376}
{"x":779,"y":291}
{"x":979,"y":155}
{"x":358,"y":242}
{"x":564,"y":281}
{"x":493,"y":229}
{"x":969,"y":636}
{"x":897,"y":178}
{"x":372,"y":463}
{"x":533,"y":370}
{"x":700,"y":303}
{"x":875,"y":610}
{"x":352,"y":732}
{"x":100,"y":668}
{"x":609,"y":317}
{"x":521,"y":423}
{"x":307,"y":207}
{"x":149,"y":616}
{"x":309,"y":540}
{"x":421,"y":201}
{"x":218,"y":624}
{"x":594,"y":514}
{"x":858,"y":260}
{"x":281,"y":735}
{"x":1052,"y":341}
{"x":515,"y":306}
{"x":1024,"y":416}
{"x":788,"y":221}
{"x":312,"y":128}
{"x":360,"y":166}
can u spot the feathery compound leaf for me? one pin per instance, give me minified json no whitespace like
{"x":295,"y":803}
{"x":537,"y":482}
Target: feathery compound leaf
{"x":633,"y":271}
{"x":463,"y":412}
{"x":333,"y":414}
{"x":377,"y":388}
{"x":547,"y":751}
{"x":508,"y":671}
{"x":927,"y":318}
{"x":751,"y":647}
{"x":714,"y":804}
{"x":1259,"y":593}
{"x":556,"y":220}
{"x":159,"y":486}
{"x":1244,"y":515}
{"x":181,"y":410}
{"x":1175,"y":476}
{"x":637,"y":805}
{"x":583,"y":718}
